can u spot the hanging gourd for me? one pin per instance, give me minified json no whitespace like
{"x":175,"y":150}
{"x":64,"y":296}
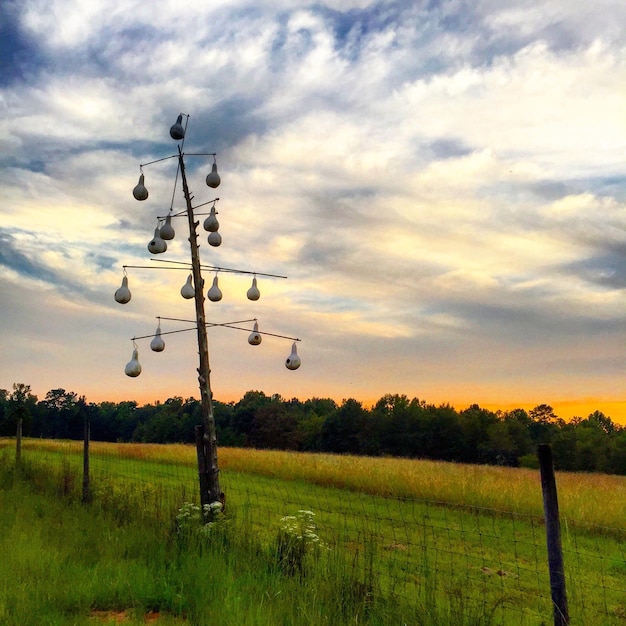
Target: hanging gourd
{"x":167,"y":230}
{"x":213,"y":178}
{"x":157,"y":344}
{"x":254,"y":339}
{"x":157,"y":245}
{"x":177,"y":132}
{"x":210,"y":223}
{"x":293,"y":360}
{"x":187,"y":291}
{"x":133,"y":368}
{"x":140,"y":192}
{"x":215,"y":239}
{"x":214,"y":293}
{"x":253,"y":293}
{"x":122,"y":295}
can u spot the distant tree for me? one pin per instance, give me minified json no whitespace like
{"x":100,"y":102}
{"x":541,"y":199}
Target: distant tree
{"x":63,"y":417}
{"x":341,"y":430}
{"x":274,"y":427}
{"x":310,"y":428}
{"x":245,"y":410}
{"x":398,"y":425}
{"x":4,"y":413}
{"x":518,"y":415}
{"x":586,"y":444}
{"x":129,"y":416}
{"x":476,"y":424}
{"x":223,"y":413}
{"x":165,"y":423}
{"x":544,"y":423}
{"x":518,"y":424}
{"x":618,"y":453}
{"x":320,"y":406}
{"x":104,"y":422}
{"x":21,"y":405}
{"x":603,"y":422}
{"x":594,"y":443}
{"x":442,"y":434}
{"x":311,"y":417}
{"x":543,"y":413}
{"x":500,"y":447}
{"x":564,"y":445}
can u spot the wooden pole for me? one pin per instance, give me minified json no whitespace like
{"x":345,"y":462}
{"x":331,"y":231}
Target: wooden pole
{"x":553,"y":535}
{"x":18,"y":441}
{"x":208,"y":471}
{"x":86,"y":437}
{"x":203,"y":474}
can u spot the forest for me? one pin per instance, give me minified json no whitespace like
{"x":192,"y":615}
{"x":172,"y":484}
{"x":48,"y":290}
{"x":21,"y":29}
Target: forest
{"x":393,"y":426}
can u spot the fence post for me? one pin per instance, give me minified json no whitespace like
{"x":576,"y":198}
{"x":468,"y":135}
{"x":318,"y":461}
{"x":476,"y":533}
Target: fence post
{"x":203,"y":468}
{"x":18,"y":442}
{"x":553,"y":535}
{"x":86,"y":437}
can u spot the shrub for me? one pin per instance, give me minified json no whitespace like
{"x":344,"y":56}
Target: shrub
{"x":296,"y":539}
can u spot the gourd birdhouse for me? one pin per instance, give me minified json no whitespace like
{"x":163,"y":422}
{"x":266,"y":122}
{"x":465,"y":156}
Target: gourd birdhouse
{"x":133,"y":369}
{"x":293,"y":360}
{"x":122,"y":295}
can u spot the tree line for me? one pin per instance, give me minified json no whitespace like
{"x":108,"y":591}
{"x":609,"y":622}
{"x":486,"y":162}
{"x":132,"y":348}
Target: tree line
{"x":394,"y":426}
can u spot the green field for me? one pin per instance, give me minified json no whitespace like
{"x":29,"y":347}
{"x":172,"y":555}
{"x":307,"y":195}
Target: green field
{"x":442,"y":541}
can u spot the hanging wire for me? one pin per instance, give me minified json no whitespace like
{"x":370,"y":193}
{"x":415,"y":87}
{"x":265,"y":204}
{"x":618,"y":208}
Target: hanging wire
{"x":169,"y":332}
{"x":183,"y":213}
{"x":175,"y":156}
{"x":186,"y":266}
{"x":176,"y":319}
{"x":214,"y":268}
{"x":151,"y":267}
{"x":203,"y":204}
{"x":171,"y":156}
{"x":229,"y":325}
{"x":213,"y":325}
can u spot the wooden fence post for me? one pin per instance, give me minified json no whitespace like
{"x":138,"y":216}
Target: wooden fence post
{"x":86,"y":437}
{"x":18,"y":442}
{"x":203,"y":469}
{"x":553,"y":535}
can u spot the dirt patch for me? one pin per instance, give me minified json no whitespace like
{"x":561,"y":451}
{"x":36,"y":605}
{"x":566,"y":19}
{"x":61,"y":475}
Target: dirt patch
{"x":119,"y":617}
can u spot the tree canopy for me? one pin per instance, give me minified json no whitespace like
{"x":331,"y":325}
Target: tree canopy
{"x":395,"y":426}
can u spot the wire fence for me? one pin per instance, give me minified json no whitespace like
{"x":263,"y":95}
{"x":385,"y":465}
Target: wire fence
{"x":480,"y":562}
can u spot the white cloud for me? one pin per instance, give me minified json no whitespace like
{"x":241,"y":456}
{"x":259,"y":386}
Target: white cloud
{"x":438,"y":184}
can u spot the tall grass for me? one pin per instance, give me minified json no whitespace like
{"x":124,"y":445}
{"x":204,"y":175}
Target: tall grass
{"x":590,"y":498}
{"x":597,"y":499}
{"x":64,"y":563}
{"x":464,"y":558}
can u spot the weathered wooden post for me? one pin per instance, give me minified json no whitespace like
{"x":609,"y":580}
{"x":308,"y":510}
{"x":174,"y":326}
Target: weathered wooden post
{"x":203,"y":474}
{"x":553,"y":535}
{"x":208,"y":470}
{"x":18,"y":441}
{"x":86,"y":437}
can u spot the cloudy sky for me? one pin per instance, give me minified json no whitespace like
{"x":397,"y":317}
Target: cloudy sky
{"x":443,"y":183}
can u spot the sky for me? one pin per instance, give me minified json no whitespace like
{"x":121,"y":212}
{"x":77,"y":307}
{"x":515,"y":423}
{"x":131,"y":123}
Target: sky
{"x":442,"y":183}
